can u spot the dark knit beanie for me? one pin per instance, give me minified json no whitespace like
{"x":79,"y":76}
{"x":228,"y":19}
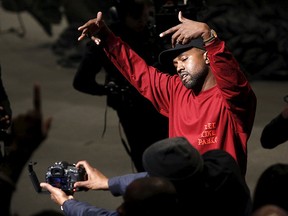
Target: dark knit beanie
{"x":172,"y":158}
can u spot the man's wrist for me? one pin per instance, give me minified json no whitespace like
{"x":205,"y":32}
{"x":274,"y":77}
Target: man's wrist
{"x":213,"y":36}
{"x":69,"y":198}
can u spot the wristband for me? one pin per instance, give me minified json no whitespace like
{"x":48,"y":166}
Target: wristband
{"x":213,"y":36}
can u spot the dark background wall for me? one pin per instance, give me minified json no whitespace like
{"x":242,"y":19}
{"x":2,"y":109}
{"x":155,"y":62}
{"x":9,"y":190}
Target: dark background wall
{"x":256,"y":32}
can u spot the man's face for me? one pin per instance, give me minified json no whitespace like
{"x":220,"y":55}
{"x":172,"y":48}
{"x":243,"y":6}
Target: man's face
{"x":192,"y":67}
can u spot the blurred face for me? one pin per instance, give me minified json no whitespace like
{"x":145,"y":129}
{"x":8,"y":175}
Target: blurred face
{"x":138,"y":24}
{"x":192,"y":67}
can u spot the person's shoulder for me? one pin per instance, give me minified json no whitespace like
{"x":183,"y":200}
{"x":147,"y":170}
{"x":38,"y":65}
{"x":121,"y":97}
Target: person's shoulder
{"x":217,"y":161}
{"x":222,"y":173}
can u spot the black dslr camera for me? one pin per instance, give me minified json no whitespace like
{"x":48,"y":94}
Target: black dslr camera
{"x":61,"y":175}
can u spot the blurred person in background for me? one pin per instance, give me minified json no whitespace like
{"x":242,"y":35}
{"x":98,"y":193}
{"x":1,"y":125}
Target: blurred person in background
{"x":141,"y":123}
{"x":276,"y":131}
{"x":28,"y":131}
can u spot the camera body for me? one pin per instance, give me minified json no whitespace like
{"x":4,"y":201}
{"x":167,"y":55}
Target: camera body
{"x":63,"y":175}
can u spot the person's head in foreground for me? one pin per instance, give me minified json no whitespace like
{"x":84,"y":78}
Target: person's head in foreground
{"x":272,"y":187}
{"x":210,"y":181}
{"x":149,"y":196}
{"x":270,"y":210}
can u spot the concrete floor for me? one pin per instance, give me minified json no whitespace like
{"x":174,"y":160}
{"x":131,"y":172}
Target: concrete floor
{"x":78,"y":119}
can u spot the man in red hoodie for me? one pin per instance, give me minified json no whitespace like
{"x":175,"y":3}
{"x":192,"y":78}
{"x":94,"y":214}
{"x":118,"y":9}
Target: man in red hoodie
{"x":209,"y":100}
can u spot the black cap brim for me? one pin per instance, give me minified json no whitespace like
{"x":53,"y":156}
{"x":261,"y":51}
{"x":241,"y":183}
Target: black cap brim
{"x":167,"y":56}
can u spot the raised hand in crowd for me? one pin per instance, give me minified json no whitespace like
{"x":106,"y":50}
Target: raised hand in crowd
{"x":93,"y":27}
{"x":28,"y":131}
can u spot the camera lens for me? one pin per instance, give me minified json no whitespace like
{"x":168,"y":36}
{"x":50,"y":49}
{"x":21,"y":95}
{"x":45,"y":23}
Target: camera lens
{"x":57,"y":172}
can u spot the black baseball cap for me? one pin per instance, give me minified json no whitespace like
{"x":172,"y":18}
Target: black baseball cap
{"x":167,"y":56}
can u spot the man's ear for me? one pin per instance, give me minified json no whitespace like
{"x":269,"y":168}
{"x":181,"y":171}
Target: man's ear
{"x":207,"y":61}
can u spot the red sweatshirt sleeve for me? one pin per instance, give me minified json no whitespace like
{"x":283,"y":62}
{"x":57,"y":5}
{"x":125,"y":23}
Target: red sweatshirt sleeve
{"x":146,"y":79}
{"x":233,"y":84}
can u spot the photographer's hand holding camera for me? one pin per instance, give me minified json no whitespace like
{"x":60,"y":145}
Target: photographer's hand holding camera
{"x":95,"y":181}
{"x":56,"y":194}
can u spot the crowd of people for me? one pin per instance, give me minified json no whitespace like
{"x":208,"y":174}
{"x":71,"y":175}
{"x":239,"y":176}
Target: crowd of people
{"x":201,"y":106}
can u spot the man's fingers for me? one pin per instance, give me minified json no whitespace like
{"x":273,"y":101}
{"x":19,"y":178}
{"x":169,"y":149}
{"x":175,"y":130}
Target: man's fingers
{"x":174,"y":28}
{"x":48,"y":187}
{"x":80,"y":184}
{"x":99,"y":17}
{"x":96,"y":40}
{"x":169,"y":31}
{"x":83,"y":163}
{"x":89,"y":28}
{"x":81,"y":37}
{"x":84,"y":33}
{"x":84,"y":29}
{"x":180,"y":17}
{"x":86,"y":25}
